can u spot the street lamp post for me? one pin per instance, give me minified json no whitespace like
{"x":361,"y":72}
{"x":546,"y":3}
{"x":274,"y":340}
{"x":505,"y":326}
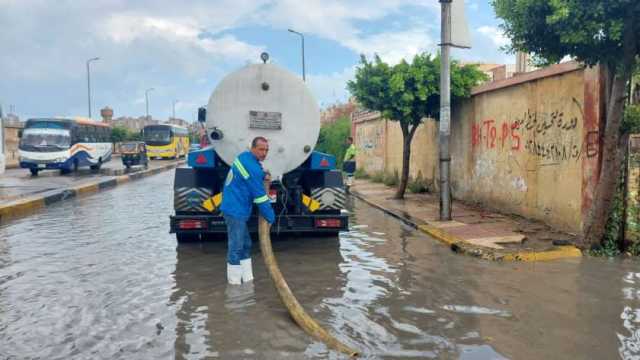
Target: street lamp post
{"x":303,"y":67}
{"x":89,"y":82}
{"x":174,"y":108}
{"x":146,"y":98}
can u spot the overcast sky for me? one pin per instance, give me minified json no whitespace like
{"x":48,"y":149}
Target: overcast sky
{"x":183,"y":48}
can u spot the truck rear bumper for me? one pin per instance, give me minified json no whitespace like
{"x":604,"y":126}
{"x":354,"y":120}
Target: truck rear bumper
{"x":196,"y":224}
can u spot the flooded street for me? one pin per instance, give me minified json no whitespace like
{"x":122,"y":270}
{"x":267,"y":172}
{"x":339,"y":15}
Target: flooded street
{"x":99,"y":277}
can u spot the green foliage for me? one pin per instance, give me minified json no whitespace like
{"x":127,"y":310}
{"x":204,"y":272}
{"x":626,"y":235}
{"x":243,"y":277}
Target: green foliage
{"x":360,"y":174}
{"x":608,"y":248}
{"x":134,"y":136}
{"x":377,"y":177}
{"x":418,"y":185}
{"x":409,"y":92}
{"x":391,"y":179}
{"x":194,"y":138}
{"x":631,"y":120}
{"x":332,"y":139}
{"x":613,"y":234}
{"x":591,"y":31}
{"x":120,"y":134}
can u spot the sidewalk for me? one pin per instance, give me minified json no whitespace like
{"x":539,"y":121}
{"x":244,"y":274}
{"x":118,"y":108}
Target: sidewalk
{"x":473,"y":231}
{"x":22,"y":194}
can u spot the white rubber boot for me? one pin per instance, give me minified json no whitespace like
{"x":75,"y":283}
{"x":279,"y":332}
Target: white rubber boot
{"x":247,"y":270}
{"x":234,"y":274}
{"x":350,"y":180}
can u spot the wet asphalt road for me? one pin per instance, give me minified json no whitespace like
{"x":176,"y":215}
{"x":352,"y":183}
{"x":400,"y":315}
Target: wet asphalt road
{"x":99,"y":277}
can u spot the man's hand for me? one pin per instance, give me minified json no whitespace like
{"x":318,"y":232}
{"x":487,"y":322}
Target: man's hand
{"x":267,"y":176}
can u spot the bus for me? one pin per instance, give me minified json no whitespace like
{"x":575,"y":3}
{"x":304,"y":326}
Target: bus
{"x":166,"y":141}
{"x":64,"y":144}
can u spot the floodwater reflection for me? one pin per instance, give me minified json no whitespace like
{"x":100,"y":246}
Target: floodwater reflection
{"x":630,"y":339}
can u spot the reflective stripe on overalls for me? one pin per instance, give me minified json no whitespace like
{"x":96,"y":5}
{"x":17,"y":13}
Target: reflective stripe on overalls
{"x":241,"y":169}
{"x":245,"y":175}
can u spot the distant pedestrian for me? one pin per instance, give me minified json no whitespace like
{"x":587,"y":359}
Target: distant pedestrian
{"x":349,"y":162}
{"x":243,"y":188}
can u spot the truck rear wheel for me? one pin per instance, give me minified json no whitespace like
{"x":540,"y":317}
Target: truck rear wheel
{"x":185,"y":238}
{"x":34,"y":171}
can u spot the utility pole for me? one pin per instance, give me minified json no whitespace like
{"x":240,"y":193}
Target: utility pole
{"x":146,"y":101}
{"x":445,"y":111}
{"x":303,"y":67}
{"x":89,"y":82}
{"x":174,"y":108}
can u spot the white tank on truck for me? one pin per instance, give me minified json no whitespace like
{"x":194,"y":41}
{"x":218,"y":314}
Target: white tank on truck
{"x":264,"y":100}
{"x":307,"y":194}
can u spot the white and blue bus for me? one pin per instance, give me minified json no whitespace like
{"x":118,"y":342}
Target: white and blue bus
{"x":64,"y":144}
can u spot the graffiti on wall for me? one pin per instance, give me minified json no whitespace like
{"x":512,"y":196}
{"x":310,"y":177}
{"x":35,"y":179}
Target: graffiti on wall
{"x":553,"y":137}
{"x":369,"y":141}
{"x":486,"y":134}
{"x":369,"y":138}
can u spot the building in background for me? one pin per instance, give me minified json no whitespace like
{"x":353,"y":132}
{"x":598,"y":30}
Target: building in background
{"x":334,"y":112}
{"x":11,"y":129}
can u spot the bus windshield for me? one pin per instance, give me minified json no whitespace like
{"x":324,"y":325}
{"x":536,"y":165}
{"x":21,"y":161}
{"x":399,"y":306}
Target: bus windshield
{"x":157,"y":135}
{"x":45,"y":139}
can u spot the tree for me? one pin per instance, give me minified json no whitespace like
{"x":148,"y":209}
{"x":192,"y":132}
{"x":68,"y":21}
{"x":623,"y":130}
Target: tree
{"x":332,"y":138}
{"x":119,"y":134}
{"x":408,"y":93}
{"x":595,"y":32}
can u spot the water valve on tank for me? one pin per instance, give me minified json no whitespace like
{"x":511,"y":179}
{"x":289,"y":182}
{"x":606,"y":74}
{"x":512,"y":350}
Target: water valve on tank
{"x":216,"y":134}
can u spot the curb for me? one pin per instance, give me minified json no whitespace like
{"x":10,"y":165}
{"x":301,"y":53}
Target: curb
{"x":460,"y":246}
{"x":27,"y":205}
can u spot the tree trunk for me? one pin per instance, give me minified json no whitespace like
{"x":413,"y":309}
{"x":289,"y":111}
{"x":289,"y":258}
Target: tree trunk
{"x":407,"y":136}
{"x":596,"y":220}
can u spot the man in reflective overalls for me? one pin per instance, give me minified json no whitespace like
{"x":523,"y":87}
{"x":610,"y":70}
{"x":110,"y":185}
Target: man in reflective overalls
{"x":243,"y":188}
{"x":349,"y":162}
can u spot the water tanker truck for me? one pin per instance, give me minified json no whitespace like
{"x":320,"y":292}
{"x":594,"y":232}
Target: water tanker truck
{"x":307,"y":192}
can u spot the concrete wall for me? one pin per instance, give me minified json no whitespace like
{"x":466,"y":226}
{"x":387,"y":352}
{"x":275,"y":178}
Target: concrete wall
{"x":11,"y":140}
{"x":632,"y":228}
{"x":527,"y":145}
{"x":370,"y":139}
{"x":379,"y":144}
{"x":424,"y":150}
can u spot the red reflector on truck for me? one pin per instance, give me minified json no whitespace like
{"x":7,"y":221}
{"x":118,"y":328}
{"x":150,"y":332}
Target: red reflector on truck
{"x":328,"y":223}
{"x":273,"y":195}
{"x":201,"y":159}
{"x":192,"y":224}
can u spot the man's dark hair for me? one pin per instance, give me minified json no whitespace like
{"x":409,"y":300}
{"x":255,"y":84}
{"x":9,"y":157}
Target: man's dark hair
{"x":257,"y":139}
{"x":350,"y":138}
